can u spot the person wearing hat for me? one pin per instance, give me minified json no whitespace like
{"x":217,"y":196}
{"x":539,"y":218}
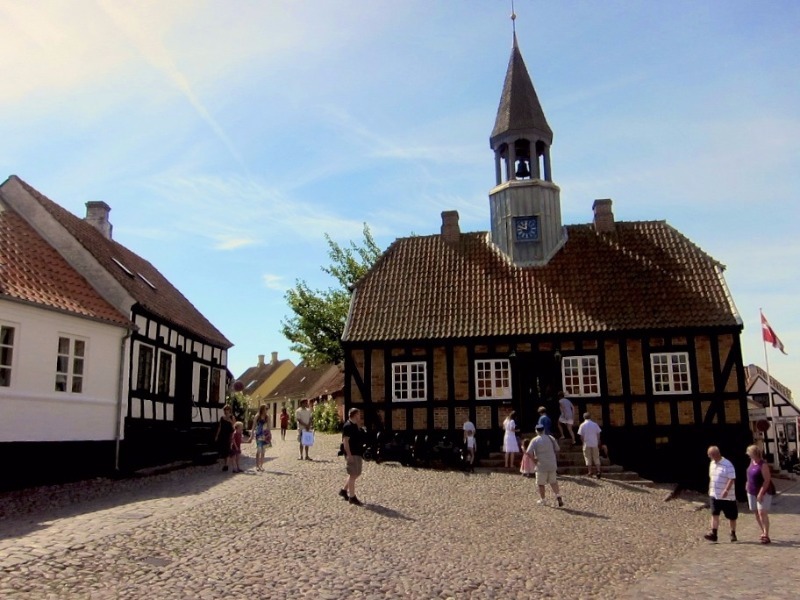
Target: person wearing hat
{"x":544,"y":450}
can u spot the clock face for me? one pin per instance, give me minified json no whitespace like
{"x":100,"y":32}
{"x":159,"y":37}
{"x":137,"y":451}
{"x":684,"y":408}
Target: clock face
{"x":526,"y":229}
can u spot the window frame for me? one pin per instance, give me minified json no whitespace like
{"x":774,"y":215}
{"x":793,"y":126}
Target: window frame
{"x":584,"y":384}
{"x":70,"y":377}
{"x":170,"y":381}
{"x":402,"y":373}
{"x":671,"y":373}
{"x":8,"y":368}
{"x":202,"y":394}
{"x":150,"y":368}
{"x":495,"y":366}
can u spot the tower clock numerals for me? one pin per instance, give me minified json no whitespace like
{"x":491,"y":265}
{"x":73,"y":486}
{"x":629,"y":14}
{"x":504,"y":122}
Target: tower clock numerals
{"x":526,"y":229}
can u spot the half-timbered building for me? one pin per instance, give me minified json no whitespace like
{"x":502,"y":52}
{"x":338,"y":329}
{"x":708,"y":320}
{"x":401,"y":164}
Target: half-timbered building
{"x":171,"y":373}
{"x":631,"y":320}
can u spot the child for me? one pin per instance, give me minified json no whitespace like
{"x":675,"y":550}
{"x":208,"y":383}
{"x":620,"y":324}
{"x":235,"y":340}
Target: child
{"x":236,"y":445}
{"x":527,"y":468}
{"x":471,"y":447}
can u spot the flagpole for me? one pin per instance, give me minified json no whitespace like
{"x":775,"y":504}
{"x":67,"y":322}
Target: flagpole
{"x":774,"y":427}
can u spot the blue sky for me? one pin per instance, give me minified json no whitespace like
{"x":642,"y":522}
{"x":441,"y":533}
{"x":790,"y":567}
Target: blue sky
{"x":229,"y":136}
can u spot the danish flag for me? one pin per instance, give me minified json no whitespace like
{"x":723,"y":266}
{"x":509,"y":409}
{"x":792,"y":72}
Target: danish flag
{"x":769,"y":334}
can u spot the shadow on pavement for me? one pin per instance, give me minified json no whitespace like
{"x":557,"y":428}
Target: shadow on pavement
{"x":387,"y":512}
{"x":583,"y":513}
{"x":581,"y":481}
{"x":627,"y":486}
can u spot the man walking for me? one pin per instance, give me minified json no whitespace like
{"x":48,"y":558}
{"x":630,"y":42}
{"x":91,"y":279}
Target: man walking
{"x":543,"y":449}
{"x":566,"y":419}
{"x":722,"y":478}
{"x":353,"y":443}
{"x":303,"y":417}
{"x":590,"y":434}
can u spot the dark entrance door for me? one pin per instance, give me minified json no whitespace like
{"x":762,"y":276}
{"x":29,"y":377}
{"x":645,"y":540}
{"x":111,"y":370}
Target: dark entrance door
{"x":536,"y":384}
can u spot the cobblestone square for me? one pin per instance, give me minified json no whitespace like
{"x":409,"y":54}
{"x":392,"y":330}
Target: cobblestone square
{"x":285,"y":533}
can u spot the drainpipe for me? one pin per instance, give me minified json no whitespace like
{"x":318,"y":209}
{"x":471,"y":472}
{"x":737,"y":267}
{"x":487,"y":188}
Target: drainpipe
{"x":120,"y":394}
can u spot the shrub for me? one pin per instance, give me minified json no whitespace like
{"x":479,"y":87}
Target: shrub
{"x":325,"y":417}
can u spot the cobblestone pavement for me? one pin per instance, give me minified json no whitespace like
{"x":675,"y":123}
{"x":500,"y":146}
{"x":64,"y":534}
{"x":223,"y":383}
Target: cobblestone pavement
{"x":201,"y":533}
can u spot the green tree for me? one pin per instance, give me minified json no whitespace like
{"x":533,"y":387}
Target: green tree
{"x":315,"y":330}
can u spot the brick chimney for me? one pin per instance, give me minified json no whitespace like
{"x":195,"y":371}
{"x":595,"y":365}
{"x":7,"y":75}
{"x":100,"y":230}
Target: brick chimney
{"x":97,"y":216}
{"x":603,"y":217}
{"x":451,"y":232}
{"x":274,"y":360}
{"x":260,"y":360}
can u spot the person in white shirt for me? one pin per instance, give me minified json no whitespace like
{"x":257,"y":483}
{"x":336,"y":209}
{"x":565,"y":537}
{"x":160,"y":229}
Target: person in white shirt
{"x":590,"y":434}
{"x":468,"y":426}
{"x":303,"y":417}
{"x":566,"y":420}
{"x":722,"y":478}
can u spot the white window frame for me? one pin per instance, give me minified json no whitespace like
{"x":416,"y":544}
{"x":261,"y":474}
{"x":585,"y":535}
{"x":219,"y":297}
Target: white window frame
{"x":137,"y":363}
{"x":69,"y":376}
{"x":202,"y":398}
{"x":670,"y":372}
{"x":9,"y":368}
{"x":170,"y":391}
{"x":577,"y":383}
{"x":406,"y":380}
{"x":498,"y":373}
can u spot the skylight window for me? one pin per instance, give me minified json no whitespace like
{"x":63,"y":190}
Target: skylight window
{"x":123,"y":267}
{"x":147,"y":281}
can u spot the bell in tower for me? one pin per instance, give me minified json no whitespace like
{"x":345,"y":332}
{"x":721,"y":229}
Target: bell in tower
{"x":525,"y":203}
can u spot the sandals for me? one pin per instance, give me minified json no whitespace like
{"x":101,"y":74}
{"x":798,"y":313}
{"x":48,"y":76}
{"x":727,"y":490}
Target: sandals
{"x":765,"y":539}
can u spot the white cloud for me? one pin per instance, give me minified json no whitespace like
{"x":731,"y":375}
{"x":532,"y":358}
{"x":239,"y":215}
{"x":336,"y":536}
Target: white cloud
{"x":274,"y":282}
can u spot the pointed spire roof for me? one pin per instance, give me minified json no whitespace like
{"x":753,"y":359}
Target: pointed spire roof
{"x":519,"y":108}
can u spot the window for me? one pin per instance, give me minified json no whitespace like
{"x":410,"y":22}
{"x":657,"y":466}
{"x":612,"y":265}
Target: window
{"x":580,"y":376}
{"x":164,"y":376}
{"x":202,"y":390}
{"x":144,"y":372}
{"x":215,"y":380}
{"x":493,"y":378}
{"x":409,"y":381}
{"x":6,"y":354}
{"x":70,"y":365}
{"x":670,"y":373}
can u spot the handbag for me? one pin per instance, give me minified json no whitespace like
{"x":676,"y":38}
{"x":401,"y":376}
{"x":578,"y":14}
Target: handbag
{"x":307,"y":438}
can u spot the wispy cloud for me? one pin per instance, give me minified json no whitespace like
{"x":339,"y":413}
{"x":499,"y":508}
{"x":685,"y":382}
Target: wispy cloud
{"x":274,"y":282}
{"x":153,"y":50}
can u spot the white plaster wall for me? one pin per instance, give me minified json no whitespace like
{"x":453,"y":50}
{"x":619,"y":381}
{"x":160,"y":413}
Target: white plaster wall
{"x":30,"y":409}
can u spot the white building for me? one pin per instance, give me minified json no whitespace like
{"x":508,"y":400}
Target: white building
{"x":103,"y":363}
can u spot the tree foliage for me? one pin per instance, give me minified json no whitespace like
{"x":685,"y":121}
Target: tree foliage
{"x":315,"y":330}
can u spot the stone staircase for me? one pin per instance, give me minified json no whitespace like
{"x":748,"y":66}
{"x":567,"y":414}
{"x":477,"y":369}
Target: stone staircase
{"x":570,"y":463}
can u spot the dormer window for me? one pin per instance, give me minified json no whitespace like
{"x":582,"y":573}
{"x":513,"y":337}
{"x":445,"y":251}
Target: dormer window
{"x":123,"y":267}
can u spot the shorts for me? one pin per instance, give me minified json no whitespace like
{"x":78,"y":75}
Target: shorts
{"x":261,"y":444}
{"x":591,"y":456}
{"x":754,"y":504}
{"x":354,"y":467}
{"x":545,"y":477}
{"x":729,"y":508}
{"x":569,"y":422}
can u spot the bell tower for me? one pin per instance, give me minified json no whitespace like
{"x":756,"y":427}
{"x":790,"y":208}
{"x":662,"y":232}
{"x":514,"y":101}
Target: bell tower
{"x":525,"y":204}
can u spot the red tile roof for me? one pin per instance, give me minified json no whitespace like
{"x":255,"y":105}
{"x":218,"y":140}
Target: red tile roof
{"x":32,"y":271}
{"x":646,"y":275}
{"x":303,"y":382}
{"x":164,"y":301}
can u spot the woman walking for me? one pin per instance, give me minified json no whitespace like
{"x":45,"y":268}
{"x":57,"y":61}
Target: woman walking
{"x":284,"y":423}
{"x":262,"y":434}
{"x":224,"y":434}
{"x":760,"y":490}
{"x":510,"y":445}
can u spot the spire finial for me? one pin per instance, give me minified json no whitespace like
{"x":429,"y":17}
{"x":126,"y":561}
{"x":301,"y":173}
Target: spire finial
{"x":513,"y":25}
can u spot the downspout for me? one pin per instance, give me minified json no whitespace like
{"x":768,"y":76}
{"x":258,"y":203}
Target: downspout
{"x":120,"y":394}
